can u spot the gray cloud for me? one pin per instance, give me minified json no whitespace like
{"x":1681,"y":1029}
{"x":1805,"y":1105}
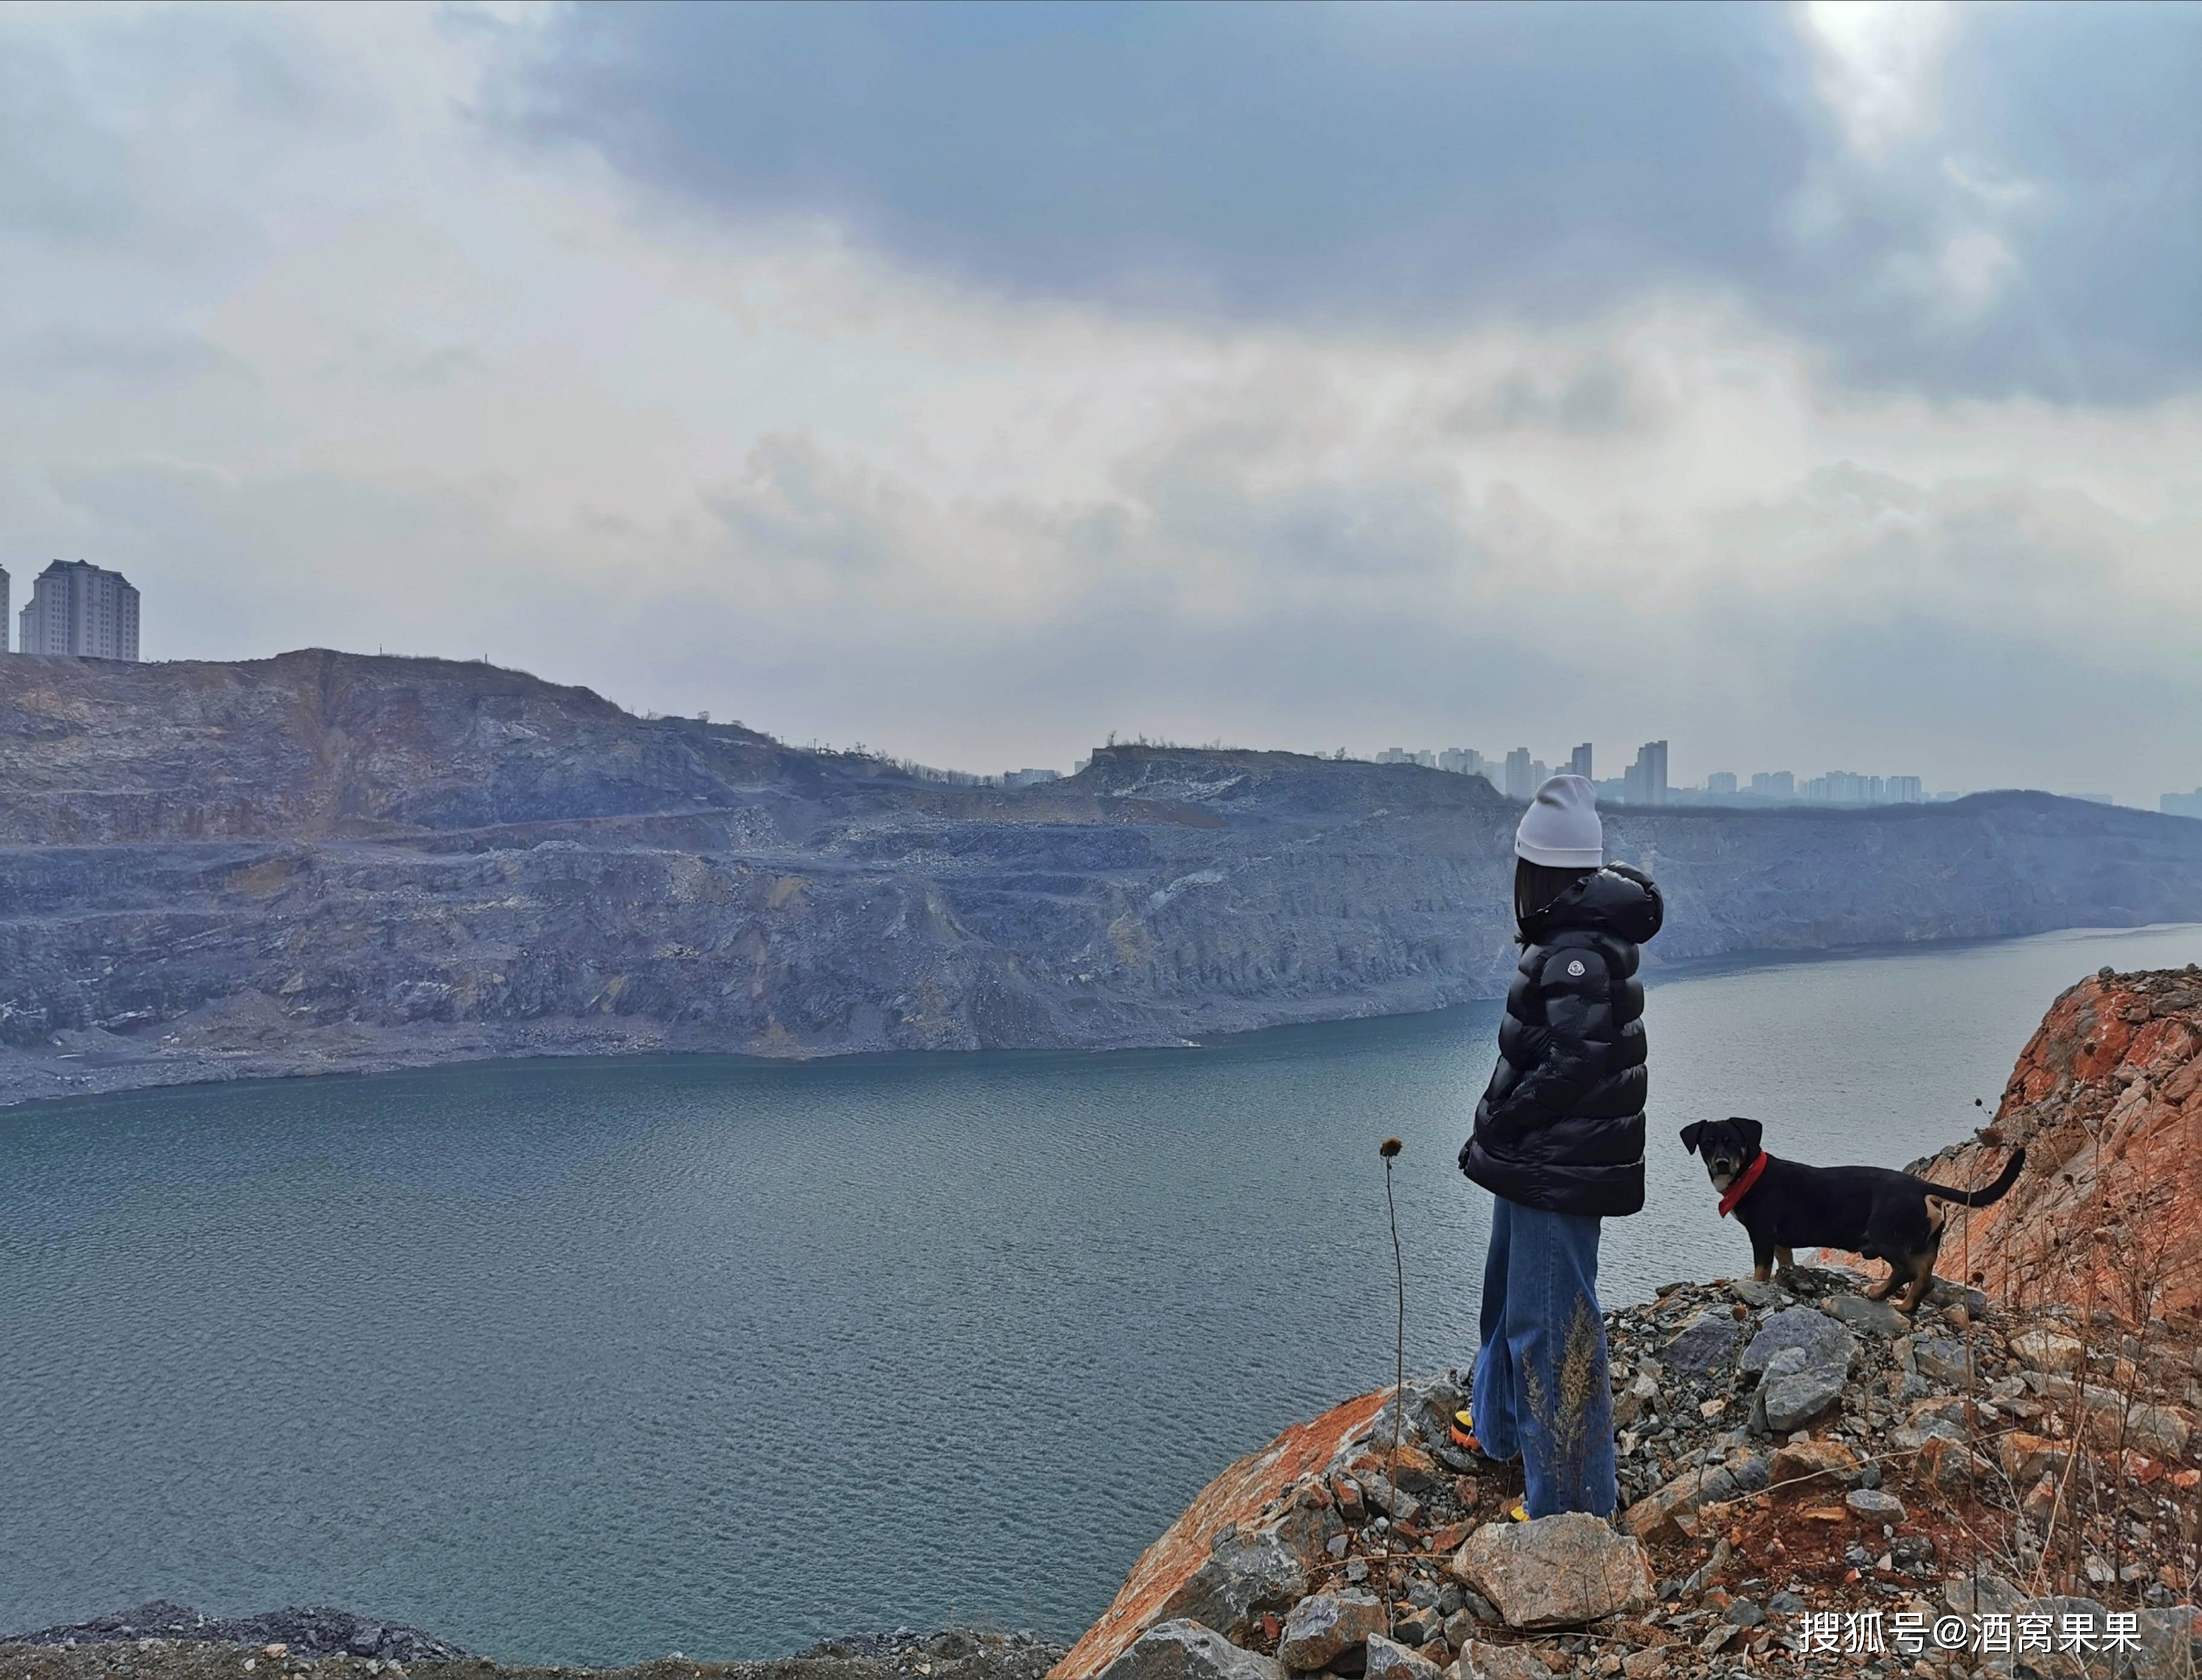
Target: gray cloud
{"x":79,"y":107}
{"x":129,"y":359}
{"x":1601,"y":397}
{"x":1428,"y":166}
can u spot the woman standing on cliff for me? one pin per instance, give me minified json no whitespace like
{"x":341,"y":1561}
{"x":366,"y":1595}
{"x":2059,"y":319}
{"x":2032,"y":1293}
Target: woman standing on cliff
{"x":1559,"y":1143}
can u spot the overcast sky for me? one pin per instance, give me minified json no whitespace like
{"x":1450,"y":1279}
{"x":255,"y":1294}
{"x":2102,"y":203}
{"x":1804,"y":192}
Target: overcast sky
{"x":1818,"y":387}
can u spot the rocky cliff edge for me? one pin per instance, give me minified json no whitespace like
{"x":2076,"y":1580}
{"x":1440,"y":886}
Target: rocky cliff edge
{"x":328,"y":862}
{"x":1797,"y":1462}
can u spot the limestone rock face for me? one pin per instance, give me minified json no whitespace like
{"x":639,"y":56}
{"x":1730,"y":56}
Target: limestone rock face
{"x":1556,"y":1572}
{"x":1182,"y":1650}
{"x":326,"y":861}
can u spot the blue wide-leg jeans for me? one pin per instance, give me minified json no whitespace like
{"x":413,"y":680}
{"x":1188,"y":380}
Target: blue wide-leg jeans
{"x":1540,"y":1391}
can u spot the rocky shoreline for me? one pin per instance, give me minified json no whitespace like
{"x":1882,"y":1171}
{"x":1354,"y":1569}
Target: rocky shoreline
{"x":161,"y":1640}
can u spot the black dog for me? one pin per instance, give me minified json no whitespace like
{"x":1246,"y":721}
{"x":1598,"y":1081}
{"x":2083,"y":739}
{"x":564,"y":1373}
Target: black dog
{"x":1877,"y":1212}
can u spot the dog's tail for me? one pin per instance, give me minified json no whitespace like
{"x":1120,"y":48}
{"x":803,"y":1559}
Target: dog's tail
{"x":2004,"y":1180}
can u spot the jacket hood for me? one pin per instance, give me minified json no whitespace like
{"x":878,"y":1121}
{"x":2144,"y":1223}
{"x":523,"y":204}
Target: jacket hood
{"x":1615,"y":900}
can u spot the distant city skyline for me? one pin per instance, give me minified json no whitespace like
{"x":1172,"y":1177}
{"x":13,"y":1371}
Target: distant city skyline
{"x":86,"y":610}
{"x":1517,"y":773}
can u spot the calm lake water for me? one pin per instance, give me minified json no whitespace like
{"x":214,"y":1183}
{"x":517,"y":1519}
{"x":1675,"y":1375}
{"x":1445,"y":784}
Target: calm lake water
{"x":594,"y":1360}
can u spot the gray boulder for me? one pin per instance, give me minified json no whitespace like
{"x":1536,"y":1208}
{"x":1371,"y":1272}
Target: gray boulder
{"x":1388,"y":1659}
{"x":1555,"y":1571}
{"x":1667,"y":1511}
{"x":1426,"y":1417}
{"x":1247,"y":1573}
{"x":1322,"y":1626}
{"x":1825,"y":1344}
{"x":1482,"y":1660}
{"x":2046,"y":1347}
{"x":1942,"y":1361}
{"x":1874,"y":1505}
{"x":1876,"y":1318}
{"x":1704,"y":1345}
{"x":1795,"y":1391}
{"x":1182,"y":1650}
{"x":1993,"y":1595}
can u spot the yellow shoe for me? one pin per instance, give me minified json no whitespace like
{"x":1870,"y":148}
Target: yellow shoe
{"x":1517,"y":1513}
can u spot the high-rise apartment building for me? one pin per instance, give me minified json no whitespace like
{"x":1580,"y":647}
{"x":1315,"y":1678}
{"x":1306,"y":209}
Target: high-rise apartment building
{"x":1579,"y":763}
{"x":1645,"y":782}
{"x":1775,"y":784}
{"x":79,"y":608}
{"x":3,"y":609}
{"x":1521,"y":781}
{"x":1905,"y":790}
{"x":1721,"y":784}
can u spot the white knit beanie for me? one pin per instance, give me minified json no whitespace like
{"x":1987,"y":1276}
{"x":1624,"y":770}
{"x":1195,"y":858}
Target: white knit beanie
{"x":1561,"y":826}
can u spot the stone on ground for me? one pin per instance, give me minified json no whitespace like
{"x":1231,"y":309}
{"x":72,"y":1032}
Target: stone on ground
{"x":1666,"y":1512}
{"x":1795,"y":1391}
{"x":1482,"y":1660}
{"x":1388,"y":1659}
{"x":1704,"y":1345}
{"x":2046,"y":1347}
{"x":1824,"y":1343}
{"x":2028,"y":1458}
{"x":1183,"y":1650}
{"x":1877,"y":1317}
{"x":1952,"y":1466}
{"x":1246,"y":1574}
{"x":1323,"y":1625}
{"x":1874,"y":1505}
{"x":1943,"y":1360}
{"x":1828,"y":1463}
{"x":1556,"y":1572}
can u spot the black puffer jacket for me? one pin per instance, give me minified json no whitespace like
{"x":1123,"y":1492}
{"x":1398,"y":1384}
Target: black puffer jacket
{"x":1561,"y":1125}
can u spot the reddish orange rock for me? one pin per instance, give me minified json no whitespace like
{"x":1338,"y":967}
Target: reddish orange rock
{"x":2106,"y":1100}
{"x":1237,"y":1497}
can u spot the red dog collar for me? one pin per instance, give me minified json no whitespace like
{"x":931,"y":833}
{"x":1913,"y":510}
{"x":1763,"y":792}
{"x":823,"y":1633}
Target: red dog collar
{"x":1741,"y":1188}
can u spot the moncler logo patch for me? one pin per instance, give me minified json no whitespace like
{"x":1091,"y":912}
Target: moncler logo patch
{"x":1575,"y":968}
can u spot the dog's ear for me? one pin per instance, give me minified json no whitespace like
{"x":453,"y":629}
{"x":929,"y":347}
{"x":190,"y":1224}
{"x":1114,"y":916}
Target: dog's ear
{"x":1691,"y":1133}
{"x":1751,"y":1129}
